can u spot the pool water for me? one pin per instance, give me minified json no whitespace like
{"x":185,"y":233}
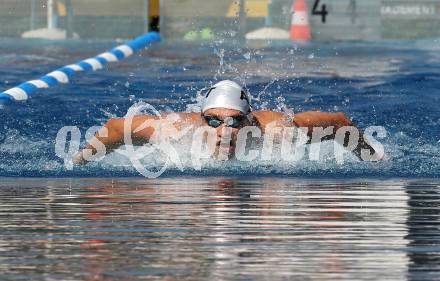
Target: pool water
{"x":217,"y":228}
{"x":308,"y":220}
{"x":392,"y":84}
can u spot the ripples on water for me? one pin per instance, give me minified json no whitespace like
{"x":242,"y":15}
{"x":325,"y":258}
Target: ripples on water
{"x":250,"y":228}
{"x":219,"y":229}
{"x":393,"y":84}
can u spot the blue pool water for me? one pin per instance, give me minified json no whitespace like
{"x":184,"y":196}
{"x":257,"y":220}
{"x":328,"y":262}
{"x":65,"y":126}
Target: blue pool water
{"x":309,"y":220}
{"x":392,"y":84}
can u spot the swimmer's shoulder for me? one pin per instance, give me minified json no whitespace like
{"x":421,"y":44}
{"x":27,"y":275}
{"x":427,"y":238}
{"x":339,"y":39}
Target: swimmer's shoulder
{"x":191,"y":117}
{"x":183,"y":118}
{"x":186,"y":118}
{"x":279,"y":119}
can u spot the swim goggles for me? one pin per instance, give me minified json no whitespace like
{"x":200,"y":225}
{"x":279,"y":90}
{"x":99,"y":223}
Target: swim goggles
{"x":233,"y":122}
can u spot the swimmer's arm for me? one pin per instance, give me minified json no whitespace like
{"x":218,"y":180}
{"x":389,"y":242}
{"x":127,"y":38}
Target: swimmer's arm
{"x":330,"y":119}
{"x":112,"y":136}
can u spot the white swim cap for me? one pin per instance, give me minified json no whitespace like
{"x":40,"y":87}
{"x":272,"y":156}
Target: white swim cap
{"x":227,"y":94}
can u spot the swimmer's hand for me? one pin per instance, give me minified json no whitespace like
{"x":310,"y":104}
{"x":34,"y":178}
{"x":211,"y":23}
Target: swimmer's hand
{"x":88,"y":154}
{"x":78,"y":159}
{"x":363,"y":145}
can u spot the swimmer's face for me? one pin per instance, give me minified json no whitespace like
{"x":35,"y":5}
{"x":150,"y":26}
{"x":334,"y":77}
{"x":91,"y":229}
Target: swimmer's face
{"x":224,"y":120}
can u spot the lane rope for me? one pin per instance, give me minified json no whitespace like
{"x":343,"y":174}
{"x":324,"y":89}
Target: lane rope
{"x":63,"y":74}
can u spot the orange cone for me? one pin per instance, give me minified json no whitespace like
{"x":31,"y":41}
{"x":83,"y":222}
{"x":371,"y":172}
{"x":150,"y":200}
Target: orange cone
{"x":300,"y":27}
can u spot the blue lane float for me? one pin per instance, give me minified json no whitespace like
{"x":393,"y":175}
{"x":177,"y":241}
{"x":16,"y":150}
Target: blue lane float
{"x":63,"y":74}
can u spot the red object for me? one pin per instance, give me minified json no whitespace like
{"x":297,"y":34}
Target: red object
{"x":300,"y":27}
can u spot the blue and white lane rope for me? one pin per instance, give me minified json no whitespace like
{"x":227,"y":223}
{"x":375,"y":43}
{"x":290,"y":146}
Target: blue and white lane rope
{"x":63,"y":74}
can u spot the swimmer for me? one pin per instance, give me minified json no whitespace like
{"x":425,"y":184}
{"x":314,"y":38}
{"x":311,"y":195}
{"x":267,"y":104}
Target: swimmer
{"x":225,"y":104}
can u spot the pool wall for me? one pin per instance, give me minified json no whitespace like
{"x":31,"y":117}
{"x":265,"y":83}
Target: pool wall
{"x":344,"y":19}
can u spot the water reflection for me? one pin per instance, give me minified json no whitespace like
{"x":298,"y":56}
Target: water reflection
{"x":424,"y":231}
{"x":216,"y":228}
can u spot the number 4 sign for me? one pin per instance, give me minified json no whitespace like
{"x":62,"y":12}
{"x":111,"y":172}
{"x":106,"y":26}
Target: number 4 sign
{"x":323,"y":12}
